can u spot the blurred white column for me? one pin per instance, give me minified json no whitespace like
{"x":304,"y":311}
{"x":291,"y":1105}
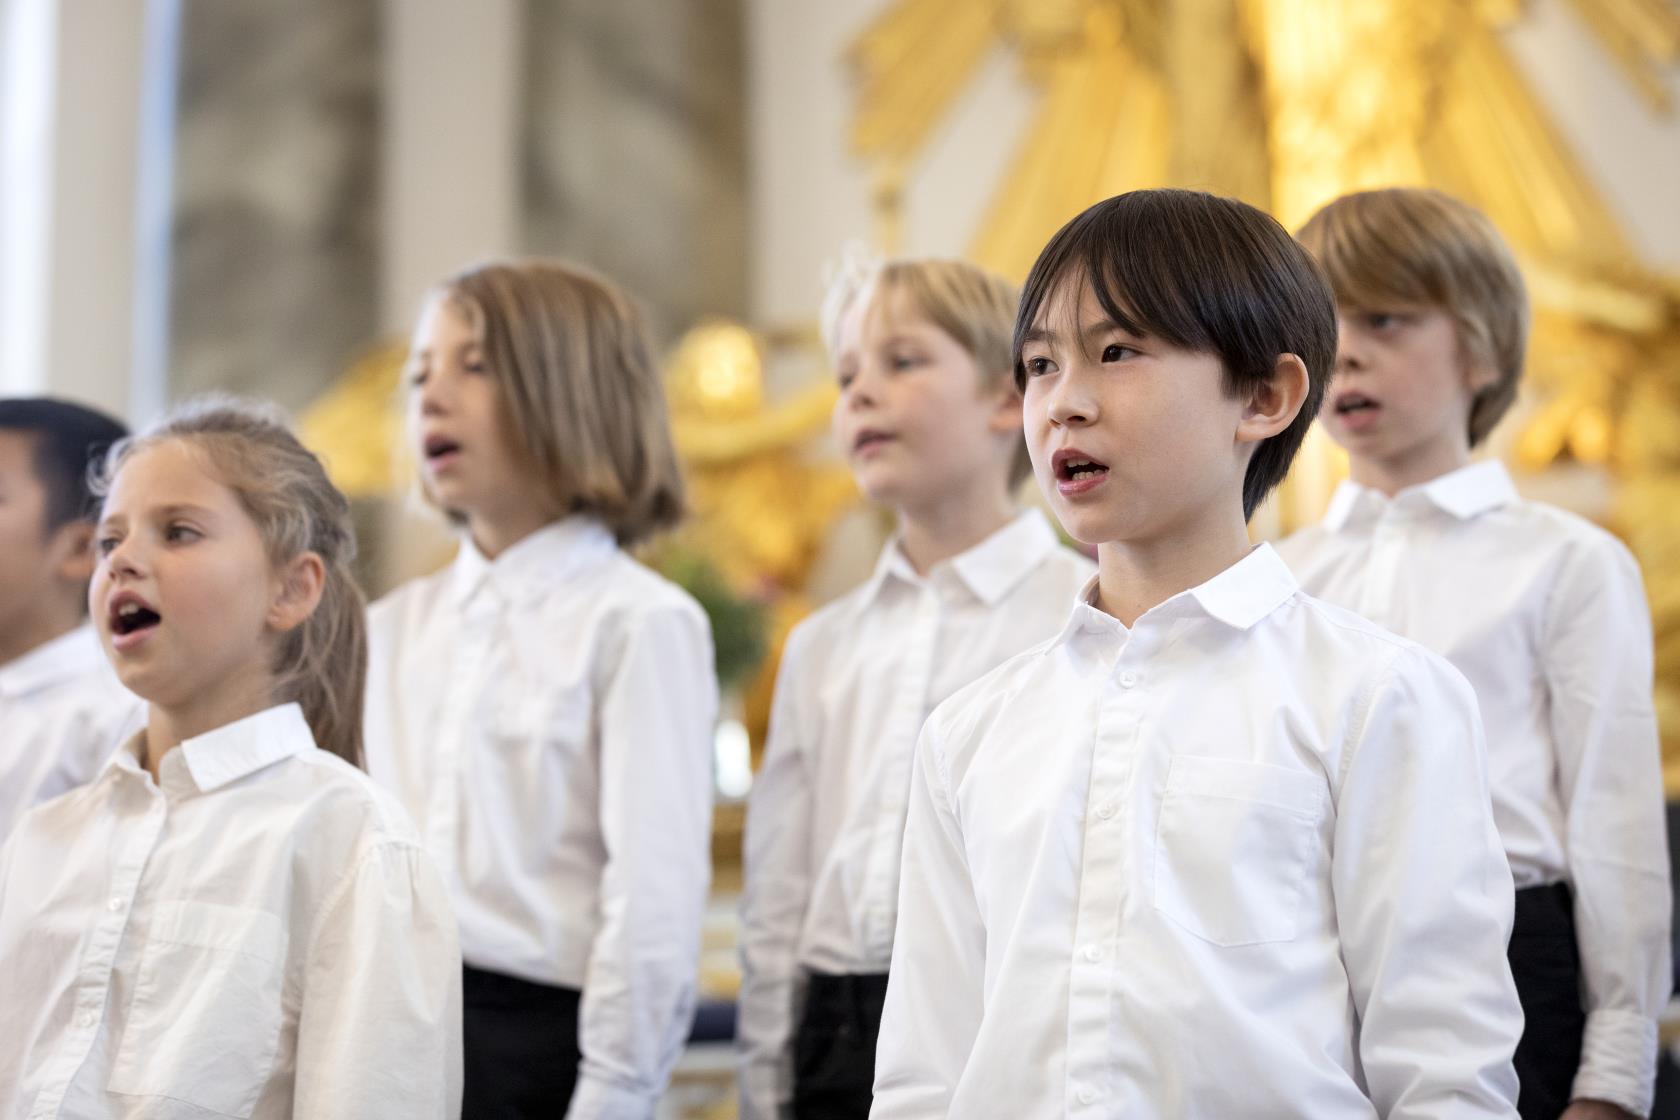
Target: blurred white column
{"x":77,"y":78}
{"x":451,"y":160}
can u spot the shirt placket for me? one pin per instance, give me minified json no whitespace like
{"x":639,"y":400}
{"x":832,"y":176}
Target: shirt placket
{"x":1382,"y":570}
{"x":134,"y":839}
{"x":462,"y":698}
{"x":1106,"y":878}
{"x":909,"y":709}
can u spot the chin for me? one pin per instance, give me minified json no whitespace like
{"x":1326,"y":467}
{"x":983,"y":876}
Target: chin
{"x":1087,"y":526}
{"x":883,"y":488}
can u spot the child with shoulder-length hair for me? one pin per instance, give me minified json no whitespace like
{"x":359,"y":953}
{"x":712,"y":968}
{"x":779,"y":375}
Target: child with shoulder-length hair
{"x":545,"y":704}
{"x":1541,"y":610}
{"x":231,"y":919}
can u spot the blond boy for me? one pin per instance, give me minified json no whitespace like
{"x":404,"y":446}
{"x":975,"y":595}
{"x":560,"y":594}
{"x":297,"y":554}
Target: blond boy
{"x":931,"y":425}
{"x":1542,"y":611}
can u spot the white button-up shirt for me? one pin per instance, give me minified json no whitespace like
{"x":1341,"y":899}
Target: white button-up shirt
{"x":826,"y":818}
{"x":62,"y":714}
{"x":1545,"y":614}
{"x":257,"y":934}
{"x":1235,"y":861}
{"x":548,"y":718}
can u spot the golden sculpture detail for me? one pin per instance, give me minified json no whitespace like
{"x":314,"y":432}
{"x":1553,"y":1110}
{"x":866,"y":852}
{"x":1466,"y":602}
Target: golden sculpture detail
{"x":1288,"y":103}
{"x":356,"y":425}
{"x":762,"y":505}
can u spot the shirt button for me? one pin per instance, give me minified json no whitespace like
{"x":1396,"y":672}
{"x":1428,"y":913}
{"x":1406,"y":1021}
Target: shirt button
{"x":87,"y":1018}
{"x":1128,"y":679}
{"x":1106,"y":812}
{"x":1093,"y":953}
{"x":1088,"y":1095}
{"x":114,"y":905}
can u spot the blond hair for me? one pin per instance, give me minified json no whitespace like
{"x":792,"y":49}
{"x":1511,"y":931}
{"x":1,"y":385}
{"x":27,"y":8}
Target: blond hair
{"x":283,"y":487}
{"x":976,"y":308}
{"x":1411,"y":246}
{"x":580,"y":392}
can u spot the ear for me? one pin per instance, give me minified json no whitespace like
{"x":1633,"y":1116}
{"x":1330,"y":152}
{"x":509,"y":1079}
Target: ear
{"x":72,"y":545}
{"x":1479,"y":376}
{"x":1274,"y":403}
{"x":1006,"y":410}
{"x":298,"y":592}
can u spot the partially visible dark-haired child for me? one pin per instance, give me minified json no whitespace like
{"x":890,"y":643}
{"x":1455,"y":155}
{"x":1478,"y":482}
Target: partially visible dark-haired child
{"x":545,"y":705}
{"x":231,"y":919}
{"x":1217,"y":849}
{"x":62,"y":711}
{"x":1544,"y":612}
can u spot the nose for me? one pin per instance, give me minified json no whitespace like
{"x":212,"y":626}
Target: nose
{"x":433,"y":393}
{"x":861,"y":390}
{"x":1350,"y":347}
{"x":124,"y":559}
{"x":1069,"y":403}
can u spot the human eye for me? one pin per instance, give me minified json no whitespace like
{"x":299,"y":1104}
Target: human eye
{"x":901,"y":360}
{"x":1116,"y":352}
{"x":181,"y":533}
{"x":1382,"y":320}
{"x":1037,"y":365}
{"x":107,"y":543}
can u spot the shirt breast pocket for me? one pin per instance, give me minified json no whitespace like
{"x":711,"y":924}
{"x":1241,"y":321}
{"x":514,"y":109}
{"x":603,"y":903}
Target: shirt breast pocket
{"x":553,"y":717}
{"x":205,"y":1017}
{"x":1233,"y":848}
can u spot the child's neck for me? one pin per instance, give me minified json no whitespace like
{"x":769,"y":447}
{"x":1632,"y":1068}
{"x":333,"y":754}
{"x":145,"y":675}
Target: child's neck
{"x":949,"y":527}
{"x":1138,"y":575}
{"x":23,"y":636}
{"x":494,"y":534}
{"x":167,"y":727}
{"x":1412,"y":468}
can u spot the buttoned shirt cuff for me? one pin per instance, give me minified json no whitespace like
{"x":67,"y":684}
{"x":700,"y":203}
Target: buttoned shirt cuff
{"x":595,"y":1099}
{"x":1618,"y":1061}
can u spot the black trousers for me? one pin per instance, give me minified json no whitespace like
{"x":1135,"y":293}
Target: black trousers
{"x":1546,"y":963}
{"x":521,"y":1042}
{"x":834,"y":1047}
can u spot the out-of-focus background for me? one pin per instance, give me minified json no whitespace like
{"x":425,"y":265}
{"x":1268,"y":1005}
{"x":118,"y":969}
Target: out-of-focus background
{"x":208,"y":195}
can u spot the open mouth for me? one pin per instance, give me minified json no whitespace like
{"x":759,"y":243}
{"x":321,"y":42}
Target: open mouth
{"x":1074,"y":466}
{"x":1350,"y":403}
{"x":437,"y":448}
{"x":131,"y":616}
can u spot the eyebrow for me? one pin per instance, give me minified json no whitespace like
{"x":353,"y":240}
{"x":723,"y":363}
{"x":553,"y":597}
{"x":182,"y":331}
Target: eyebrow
{"x":1100,"y":327}
{"x":173,"y":509}
{"x":460,"y":348}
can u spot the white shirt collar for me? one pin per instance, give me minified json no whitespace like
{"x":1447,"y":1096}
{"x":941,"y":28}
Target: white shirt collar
{"x":989,"y":570}
{"x":68,"y":655}
{"x":1239,"y":596}
{"x":534,"y":564}
{"x":1465,"y":493}
{"x":229,"y":752}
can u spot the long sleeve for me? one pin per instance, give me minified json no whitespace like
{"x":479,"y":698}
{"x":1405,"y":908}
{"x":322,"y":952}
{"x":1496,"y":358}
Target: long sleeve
{"x":1423,"y":900}
{"x":379,"y":1034}
{"x":778,"y":870}
{"x":656,"y":716}
{"x":935,"y":994}
{"x":1598,"y":673}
